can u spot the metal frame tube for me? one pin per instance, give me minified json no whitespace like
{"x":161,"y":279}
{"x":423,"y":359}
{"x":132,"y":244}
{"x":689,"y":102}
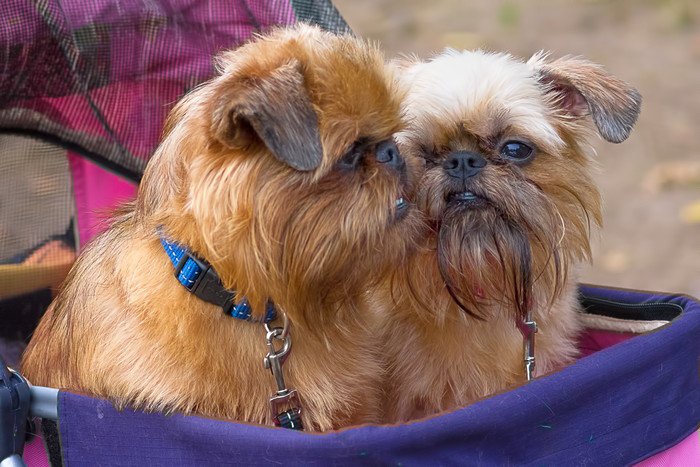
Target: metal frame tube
{"x":44,"y":402}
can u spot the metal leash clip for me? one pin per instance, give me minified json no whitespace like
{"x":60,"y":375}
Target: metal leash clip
{"x":284,"y":397}
{"x":528,"y":328}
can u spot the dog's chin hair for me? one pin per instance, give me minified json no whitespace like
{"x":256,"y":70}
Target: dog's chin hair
{"x":486,"y":257}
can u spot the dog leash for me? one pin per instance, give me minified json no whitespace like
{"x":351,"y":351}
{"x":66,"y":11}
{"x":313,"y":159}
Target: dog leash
{"x":273,"y":361}
{"x":200,"y":279}
{"x":528,"y":328}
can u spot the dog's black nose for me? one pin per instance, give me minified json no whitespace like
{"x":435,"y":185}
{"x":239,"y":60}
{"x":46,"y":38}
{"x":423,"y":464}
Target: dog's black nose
{"x":464,"y":164}
{"x":388,"y":153}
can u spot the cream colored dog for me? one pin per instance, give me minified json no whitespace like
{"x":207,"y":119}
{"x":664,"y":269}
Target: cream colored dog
{"x":509,"y":194}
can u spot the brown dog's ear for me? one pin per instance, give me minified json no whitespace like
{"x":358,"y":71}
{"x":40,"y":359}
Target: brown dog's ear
{"x":585,"y":88}
{"x":276,"y":110}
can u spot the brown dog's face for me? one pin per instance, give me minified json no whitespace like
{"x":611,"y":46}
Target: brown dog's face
{"x":507,"y":183}
{"x":283,"y":171}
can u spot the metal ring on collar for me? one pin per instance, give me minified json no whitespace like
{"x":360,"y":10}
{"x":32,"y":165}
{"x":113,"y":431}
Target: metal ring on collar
{"x":285,"y":326}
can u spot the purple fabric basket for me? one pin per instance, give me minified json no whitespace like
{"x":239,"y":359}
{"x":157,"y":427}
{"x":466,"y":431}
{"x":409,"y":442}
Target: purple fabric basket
{"x":615,"y":407}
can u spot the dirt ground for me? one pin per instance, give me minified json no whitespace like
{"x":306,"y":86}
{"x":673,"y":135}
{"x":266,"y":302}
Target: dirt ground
{"x":651,"y":182}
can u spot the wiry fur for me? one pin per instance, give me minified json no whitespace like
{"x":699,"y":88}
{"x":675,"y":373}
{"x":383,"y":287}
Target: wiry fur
{"x":450,"y":315}
{"x":241,"y":180}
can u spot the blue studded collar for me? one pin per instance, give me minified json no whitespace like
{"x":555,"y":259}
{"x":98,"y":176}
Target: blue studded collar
{"x":199,"y":278}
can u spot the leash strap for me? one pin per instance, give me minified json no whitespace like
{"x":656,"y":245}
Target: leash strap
{"x":291,"y":419}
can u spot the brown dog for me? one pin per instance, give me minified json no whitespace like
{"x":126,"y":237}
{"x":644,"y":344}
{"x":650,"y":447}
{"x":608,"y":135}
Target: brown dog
{"x":509,"y":193}
{"x":283,"y":175}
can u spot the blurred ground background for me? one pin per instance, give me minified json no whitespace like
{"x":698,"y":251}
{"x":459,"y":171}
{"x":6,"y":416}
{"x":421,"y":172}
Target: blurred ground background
{"x":651,"y":182}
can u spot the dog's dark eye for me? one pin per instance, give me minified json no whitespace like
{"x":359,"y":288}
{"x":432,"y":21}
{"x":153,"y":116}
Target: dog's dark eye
{"x":430,"y":162}
{"x":353,"y":157}
{"x":427,"y":156}
{"x":516,"y":151}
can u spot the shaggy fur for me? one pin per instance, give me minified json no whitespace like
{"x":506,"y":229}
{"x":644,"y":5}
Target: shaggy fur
{"x":269,"y":172}
{"x":450,"y":333}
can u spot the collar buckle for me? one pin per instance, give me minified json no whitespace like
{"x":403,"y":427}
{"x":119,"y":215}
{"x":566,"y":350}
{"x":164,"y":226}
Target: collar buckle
{"x":206,"y":283}
{"x":201,"y":279}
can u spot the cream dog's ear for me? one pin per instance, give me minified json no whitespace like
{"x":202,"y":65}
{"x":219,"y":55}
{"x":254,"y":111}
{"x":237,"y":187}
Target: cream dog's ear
{"x":580,"y":88}
{"x":276,"y":110}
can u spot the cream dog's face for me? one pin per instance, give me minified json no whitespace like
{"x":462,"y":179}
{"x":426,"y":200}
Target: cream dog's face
{"x":508,"y":184}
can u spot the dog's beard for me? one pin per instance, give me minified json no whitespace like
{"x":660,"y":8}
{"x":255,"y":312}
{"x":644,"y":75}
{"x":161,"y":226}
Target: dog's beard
{"x":496,"y":252}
